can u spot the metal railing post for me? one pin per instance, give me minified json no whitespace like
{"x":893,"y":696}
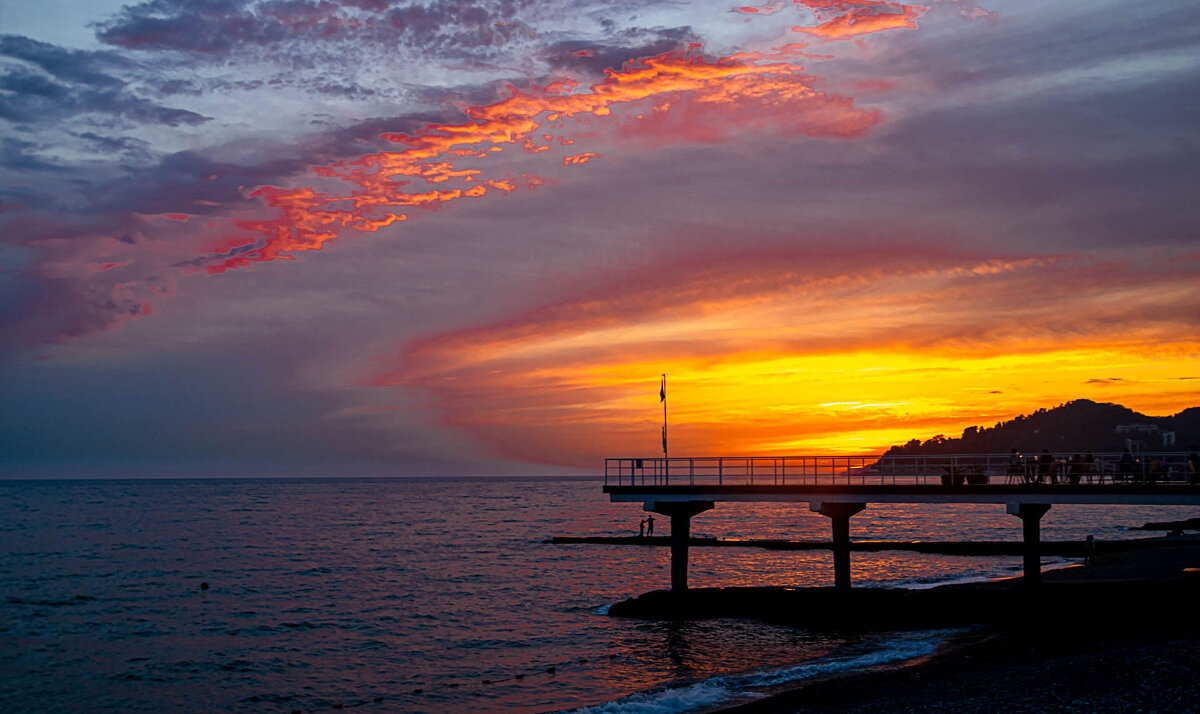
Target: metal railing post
{"x":1148,"y":468}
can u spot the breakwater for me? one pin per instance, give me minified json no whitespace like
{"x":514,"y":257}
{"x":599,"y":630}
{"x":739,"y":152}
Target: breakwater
{"x":1065,"y":549}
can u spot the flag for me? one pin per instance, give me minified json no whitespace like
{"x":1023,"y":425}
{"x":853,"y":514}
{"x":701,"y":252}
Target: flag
{"x":664,"y":429}
{"x":662,"y":392}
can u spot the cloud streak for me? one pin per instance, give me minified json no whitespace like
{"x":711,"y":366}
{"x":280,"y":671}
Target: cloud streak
{"x":832,"y":352}
{"x":848,"y":19}
{"x":674,"y":97}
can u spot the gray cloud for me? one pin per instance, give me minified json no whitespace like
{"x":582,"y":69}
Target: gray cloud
{"x":221,"y":27}
{"x":73,"y":66}
{"x":49,"y":84}
{"x":16,"y":155}
{"x":1052,"y":159}
{"x":617,"y":48}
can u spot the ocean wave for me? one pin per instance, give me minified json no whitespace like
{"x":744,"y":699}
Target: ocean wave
{"x":716,"y":690}
{"x":1009,"y":570}
{"x":676,"y":699}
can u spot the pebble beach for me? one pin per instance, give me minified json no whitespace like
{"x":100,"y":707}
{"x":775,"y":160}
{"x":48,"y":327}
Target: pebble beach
{"x":1138,"y":652}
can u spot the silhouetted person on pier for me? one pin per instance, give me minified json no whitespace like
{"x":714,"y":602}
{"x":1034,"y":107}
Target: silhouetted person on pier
{"x":1161,"y":469}
{"x":1046,"y":467}
{"x":1075,"y":469}
{"x":1016,"y":467}
{"x":641,"y":529}
{"x":649,"y":525}
{"x":1125,"y":465}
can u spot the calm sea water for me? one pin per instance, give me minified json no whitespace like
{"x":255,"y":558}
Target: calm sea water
{"x":427,"y":595}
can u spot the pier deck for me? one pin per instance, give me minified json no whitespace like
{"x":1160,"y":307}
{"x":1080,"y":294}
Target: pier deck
{"x":839,"y":487}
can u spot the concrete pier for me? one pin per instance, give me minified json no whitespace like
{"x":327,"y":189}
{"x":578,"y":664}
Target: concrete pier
{"x":1031,"y":520}
{"x":839,"y":487}
{"x":680,"y":513}
{"x":840,"y":515}
{"x":1063,"y":549}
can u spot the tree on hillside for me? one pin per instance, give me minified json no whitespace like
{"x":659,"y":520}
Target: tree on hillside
{"x":1075,"y":426}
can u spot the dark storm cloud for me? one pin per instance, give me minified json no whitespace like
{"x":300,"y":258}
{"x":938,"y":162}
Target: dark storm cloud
{"x":1076,"y":133}
{"x":459,"y":25}
{"x":73,"y":66}
{"x":70,"y":211}
{"x":15,"y":155}
{"x":193,"y":182}
{"x":185,"y":25}
{"x":617,"y":48}
{"x":1115,"y":168}
{"x":126,"y":146}
{"x":35,"y":99}
{"x":45,"y":88}
{"x":1039,"y":50}
{"x":221,"y":27}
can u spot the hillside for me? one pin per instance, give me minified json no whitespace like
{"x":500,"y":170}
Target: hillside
{"x":1076,"y":426}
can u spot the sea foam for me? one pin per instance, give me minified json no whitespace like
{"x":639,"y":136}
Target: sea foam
{"x":720,"y":689}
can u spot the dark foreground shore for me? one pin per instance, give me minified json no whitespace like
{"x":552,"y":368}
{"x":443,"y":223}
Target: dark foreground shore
{"x":1063,"y":670}
{"x":1120,"y":635}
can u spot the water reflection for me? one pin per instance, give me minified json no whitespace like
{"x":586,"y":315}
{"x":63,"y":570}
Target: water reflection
{"x":328,"y":592}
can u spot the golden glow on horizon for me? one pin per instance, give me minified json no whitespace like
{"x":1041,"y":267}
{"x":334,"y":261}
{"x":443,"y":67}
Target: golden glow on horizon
{"x":815,"y":364}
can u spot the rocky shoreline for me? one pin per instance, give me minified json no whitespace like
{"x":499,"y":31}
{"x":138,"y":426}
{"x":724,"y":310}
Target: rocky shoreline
{"x":1125,"y":669}
{"x":1119,"y":635}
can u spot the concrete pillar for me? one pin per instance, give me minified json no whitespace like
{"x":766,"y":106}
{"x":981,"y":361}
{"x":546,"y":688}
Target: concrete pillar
{"x":1031,"y":521}
{"x":840,"y":514}
{"x":680,"y":513}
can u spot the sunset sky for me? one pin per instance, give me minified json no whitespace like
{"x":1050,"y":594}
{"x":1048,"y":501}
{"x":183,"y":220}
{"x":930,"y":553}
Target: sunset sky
{"x":373,"y":237}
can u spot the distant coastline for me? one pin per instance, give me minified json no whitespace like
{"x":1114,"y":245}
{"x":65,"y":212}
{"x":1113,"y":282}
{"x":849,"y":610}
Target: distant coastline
{"x":1076,"y":426}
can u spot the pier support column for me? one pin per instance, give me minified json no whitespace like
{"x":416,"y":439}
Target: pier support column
{"x":680,"y":513}
{"x":1031,"y":520}
{"x":840,"y":514}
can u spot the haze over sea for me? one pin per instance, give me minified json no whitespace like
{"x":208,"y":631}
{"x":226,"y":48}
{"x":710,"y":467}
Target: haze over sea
{"x":344,"y":591}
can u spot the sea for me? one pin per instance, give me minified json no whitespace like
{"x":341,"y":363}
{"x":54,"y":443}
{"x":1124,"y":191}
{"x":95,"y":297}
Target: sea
{"x":430,"y":595}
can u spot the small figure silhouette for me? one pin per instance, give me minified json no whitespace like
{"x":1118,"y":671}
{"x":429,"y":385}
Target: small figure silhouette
{"x":1046,"y":471}
{"x":641,"y":529}
{"x":649,"y":525}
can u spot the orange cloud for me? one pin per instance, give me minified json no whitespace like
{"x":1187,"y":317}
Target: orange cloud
{"x":759,"y":10}
{"x":691,"y":99}
{"x":813,"y":353}
{"x":864,"y":21}
{"x":577,"y":159}
{"x":847,"y":19}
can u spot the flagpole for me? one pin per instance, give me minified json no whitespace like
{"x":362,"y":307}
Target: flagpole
{"x":666,"y":457}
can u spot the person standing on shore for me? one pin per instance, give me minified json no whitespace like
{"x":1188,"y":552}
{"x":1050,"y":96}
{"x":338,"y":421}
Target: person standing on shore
{"x":650,"y":525}
{"x":641,"y":529}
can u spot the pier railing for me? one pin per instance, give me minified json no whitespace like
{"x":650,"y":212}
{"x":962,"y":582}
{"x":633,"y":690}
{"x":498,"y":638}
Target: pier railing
{"x":943,"y":470}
